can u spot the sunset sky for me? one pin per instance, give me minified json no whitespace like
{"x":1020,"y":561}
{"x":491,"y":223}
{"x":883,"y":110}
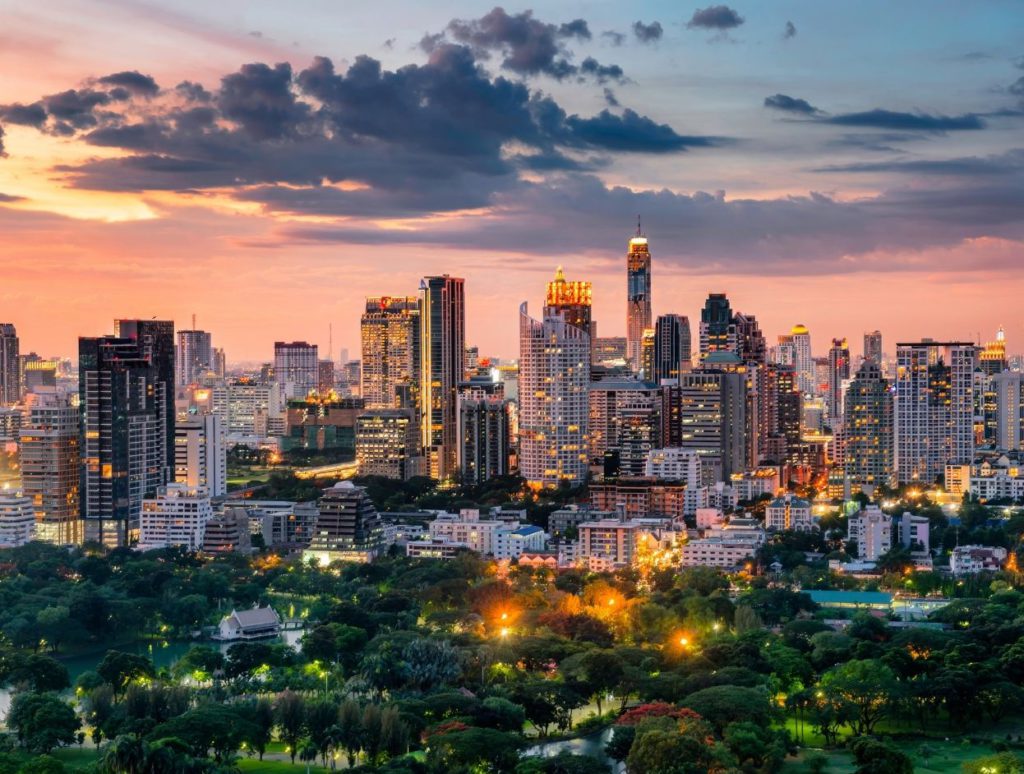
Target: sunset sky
{"x":265,"y":166}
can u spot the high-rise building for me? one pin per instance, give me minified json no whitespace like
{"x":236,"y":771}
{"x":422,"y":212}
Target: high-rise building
{"x":297,"y":367}
{"x":573,"y":300}
{"x":790,"y":408}
{"x":871,"y":530}
{"x":17,"y":520}
{"x":934,"y":408}
{"x":220,"y":363}
{"x":716,"y":331}
{"x":125,"y":447}
{"x":176,"y":516}
{"x":248,"y":408}
{"x":10,"y":365}
{"x":387,"y":441}
{"x":38,"y":373}
{"x":608,"y":350}
{"x":442,"y":367}
{"x":638,"y":296}
{"x":647,"y":354}
{"x":873,"y":347}
{"x":50,"y":465}
{"x":156,"y":342}
{"x":803,"y":360}
{"x":838,"y":372}
{"x":712,"y":416}
{"x":1009,"y":410}
{"x":194,"y":357}
{"x":200,"y":455}
{"x":625,"y":418}
{"x":390,"y":334}
{"x":554,"y":377}
{"x":348,"y":527}
{"x":672,"y":347}
{"x":992,"y":359}
{"x":749,"y":340}
{"x":868,"y":429}
{"x":484,"y":433}
{"x":325,"y":377}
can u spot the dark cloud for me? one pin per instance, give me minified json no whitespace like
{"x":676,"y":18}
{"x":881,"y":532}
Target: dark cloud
{"x":1017,"y":87}
{"x":390,"y":43}
{"x":75,"y":108}
{"x":790,"y":104}
{"x":133,"y":81}
{"x":24,"y":115}
{"x":8,"y":198}
{"x":715,"y":17}
{"x":260,"y":99}
{"x":577,"y":28}
{"x":631,"y":132}
{"x":1010,"y":164}
{"x":647,"y":33}
{"x":789,"y":31}
{"x":615,"y":38}
{"x":3,"y":153}
{"x":913,"y":122}
{"x":610,"y":98}
{"x":601,"y":73}
{"x":193,"y":92}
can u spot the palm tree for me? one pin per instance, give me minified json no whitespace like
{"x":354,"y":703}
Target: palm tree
{"x":126,"y":755}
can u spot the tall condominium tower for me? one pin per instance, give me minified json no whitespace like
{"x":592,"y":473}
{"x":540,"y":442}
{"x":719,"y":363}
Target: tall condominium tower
{"x":125,"y":445}
{"x":672,"y":347}
{"x":838,"y":370}
{"x":442,"y":367}
{"x":868,"y":427}
{"x":625,"y":418}
{"x":50,"y":465}
{"x":10,"y":372}
{"x":484,"y":431}
{"x":573,"y":300}
{"x":390,"y":334}
{"x":638,"y":297}
{"x":297,"y":366}
{"x":712,"y":416}
{"x":1009,"y":410}
{"x":873,"y":347}
{"x":200,"y":455}
{"x":155,"y":339}
{"x":934,"y":408}
{"x":194,"y":357}
{"x":716,"y":331}
{"x":554,"y":376}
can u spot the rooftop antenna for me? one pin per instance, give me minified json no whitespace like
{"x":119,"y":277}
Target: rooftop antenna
{"x":193,"y":321}
{"x":638,"y":232}
{"x":330,"y":342}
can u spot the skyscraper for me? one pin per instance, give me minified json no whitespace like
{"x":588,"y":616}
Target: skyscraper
{"x":442,"y":367}
{"x":554,"y":376}
{"x":1009,"y":410}
{"x":125,"y":446}
{"x":868,"y":428}
{"x":838,"y":370}
{"x":934,"y":408}
{"x":873,"y":347}
{"x":484,"y":433}
{"x":672,"y":347}
{"x":200,"y":456}
{"x":992,"y":359}
{"x":194,"y":357}
{"x":716,"y":331}
{"x":625,"y":418}
{"x":297,"y":367}
{"x":712,"y":416}
{"x":749,"y":340}
{"x":638,"y":296}
{"x":155,"y":339}
{"x":573,"y":300}
{"x":50,"y":465}
{"x":390,"y":334}
{"x":803,"y":360}
{"x":10,"y":371}
{"x":387,"y":443}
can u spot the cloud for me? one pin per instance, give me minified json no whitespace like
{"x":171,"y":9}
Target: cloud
{"x":647,"y":33}
{"x":8,"y":198}
{"x":880,"y":118}
{"x":715,"y":17}
{"x":577,"y":28}
{"x":132,"y":81}
{"x":615,"y":38}
{"x":631,"y":132}
{"x":1009,"y":164}
{"x":1017,"y":87}
{"x":790,"y":104}
{"x":25,"y":115}
{"x":610,"y":98}
{"x":601,"y":73}
{"x":789,"y":31}
{"x":260,"y":99}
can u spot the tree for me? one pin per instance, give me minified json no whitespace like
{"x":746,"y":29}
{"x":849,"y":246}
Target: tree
{"x":321,"y":716}
{"x":290,"y":714}
{"x":593,"y":673}
{"x":721,"y":705}
{"x":350,"y":727}
{"x":746,"y":620}
{"x":42,"y":764}
{"x":474,"y":749}
{"x":866,"y":685}
{"x":126,"y":755}
{"x":874,"y":757}
{"x":217,"y":727}
{"x":1003,"y":763}
{"x":260,"y":715}
{"x":372,"y":734}
{"x":35,"y":671}
{"x":394,"y":735}
{"x":118,"y":669}
{"x":563,"y":763}
{"x":42,"y":721}
{"x":430,"y":663}
{"x":661,"y":748}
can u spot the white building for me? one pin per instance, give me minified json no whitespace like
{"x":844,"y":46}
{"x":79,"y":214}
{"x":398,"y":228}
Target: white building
{"x":177,"y":516}
{"x":1009,"y":390}
{"x":970,"y":560}
{"x":255,"y":624}
{"x":684,"y":465}
{"x":789,"y":513}
{"x":751,"y":484}
{"x":998,"y":479}
{"x":200,"y":454}
{"x":500,"y":538}
{"x":431,"y":548}
{"x":709,"y":517}
{"x":872,"y":531}
{"x":17,"y":520}
{"x":914,"y":529}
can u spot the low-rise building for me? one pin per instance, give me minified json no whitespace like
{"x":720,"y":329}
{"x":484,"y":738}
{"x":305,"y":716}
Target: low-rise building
{"x":228,"y":532}
{"x":871,"y":529}
{"x":789,"y":513}
{"x":256,"y":624}
{"x":970,"y":560}
{"x":177,"y":516}
{"x":752,"y":484}
{"x":434,"y":548}
{"x":17,"y":521}
{"x":640,"y":497}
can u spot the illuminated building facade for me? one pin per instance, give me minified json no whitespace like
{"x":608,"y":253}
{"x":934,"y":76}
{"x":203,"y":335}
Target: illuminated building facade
{"x":1009,"y":410}
{"x":554,"y":377}
{"x":803,"y":360}
{"x":348,"y":527}
{"x":17,"y":520}
{"x":716,"y":331}
{"x":638,"y":297}
{"x":838,"y":372}
{"x":484,"y":433}
{"x":712,"y":416}
{"x":868,"y":428}
{"x":390,"y":335}
{"x":327,"y":422}
{"x":386,"y":443}
{"x":442,"y":367}
{"x":200,"y":456}
{"x":992,"y":359}
{"x":297,"y":367}
{"x":176,"y":516}
{"x":873,"y":347}
{"x":194,"y":357}
{"x":672,"y":347}
{"x":625,"y":417}
{"x":573,"y":301}
{"x":155,"y":339}
{"x":10,"y":375}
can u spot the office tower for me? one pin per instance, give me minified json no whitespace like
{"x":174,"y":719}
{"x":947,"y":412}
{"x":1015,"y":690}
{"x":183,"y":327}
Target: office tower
{"x":934,"y":408}
{"x":349,"y":379}
{"x":992,"y":359}
{"x":838,"y":371}
{"x":716,"y":331}
{"x":873,"y":347}
{"x":200,"y":454}
{"x":803,"y":361}
{"x":17,"y":520}
{"x":625,"y":418}
{"x":194,"y":357}
{"x":484,"y":432}
{"x":297,"y":367}
{"x":638,"y":296}
{"x":220,"y":363}
{"x":712,"y":416}
{"x":390,"y":334}
{"x":10,"y":375}
{"x":124,"y":442}
{"x":554,"y":376}
{"x":1009,"y":410}
{"x":608,"y":350}
{"x":322,"y":422}
{"x":176,"y":516}
{"x":749,"y":340}
{"x":348,"y":527}
{"x":325,"y":377}
{"x":868,"y":429}
{"x":672,"y":347}
{"x":387,"y":441}
{"x":39,"y":374}
{"x":472,"y":361}
{"x":790,"y":407}
{"x":647,"y":354}
{"x":573,"y":300}
{"x":228,"y":532}
{"x":156,"y":342}
{"x":442,"y":367}
{"x":248,"y":408}
{"x":50,"y":465}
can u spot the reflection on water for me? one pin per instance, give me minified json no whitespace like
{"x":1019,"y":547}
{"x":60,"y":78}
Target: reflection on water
{"x":592,"y":745}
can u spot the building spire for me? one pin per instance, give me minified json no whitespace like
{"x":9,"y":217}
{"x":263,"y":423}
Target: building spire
{"x":638,"y":231}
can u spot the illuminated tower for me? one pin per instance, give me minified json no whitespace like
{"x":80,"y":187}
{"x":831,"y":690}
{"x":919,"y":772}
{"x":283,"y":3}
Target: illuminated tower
{"x":873,"y":347}
{"x":671,"y":347}
{"x":838,"y":370}
{"x":194,"y":357}
{"x":802,"y":358}
{"x":442,"y":367}
{"x":390,"y":332}
{"x":10,"y":376}
{"x":716,"y":331}
{"x":992,"y":359}
{"x":573,"y":300}
{"x":638,"y":297}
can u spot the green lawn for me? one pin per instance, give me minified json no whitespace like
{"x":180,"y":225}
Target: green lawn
{"x":946,"y":757}
{"x":255,"y":766}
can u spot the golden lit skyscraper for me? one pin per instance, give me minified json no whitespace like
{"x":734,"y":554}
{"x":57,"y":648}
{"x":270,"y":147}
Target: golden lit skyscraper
{"x":638,"y":297}
{"x":573,"y":300}
{"x":390,"y":333}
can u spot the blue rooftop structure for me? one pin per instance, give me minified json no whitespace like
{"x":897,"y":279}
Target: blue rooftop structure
{"x":878,"y":600}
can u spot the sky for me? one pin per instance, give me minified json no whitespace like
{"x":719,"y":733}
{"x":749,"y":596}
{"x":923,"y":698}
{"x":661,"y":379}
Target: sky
{"x":265,"y":166}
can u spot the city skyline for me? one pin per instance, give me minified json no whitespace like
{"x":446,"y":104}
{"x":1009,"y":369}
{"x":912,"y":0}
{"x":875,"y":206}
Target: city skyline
{"x":765,"y":163}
